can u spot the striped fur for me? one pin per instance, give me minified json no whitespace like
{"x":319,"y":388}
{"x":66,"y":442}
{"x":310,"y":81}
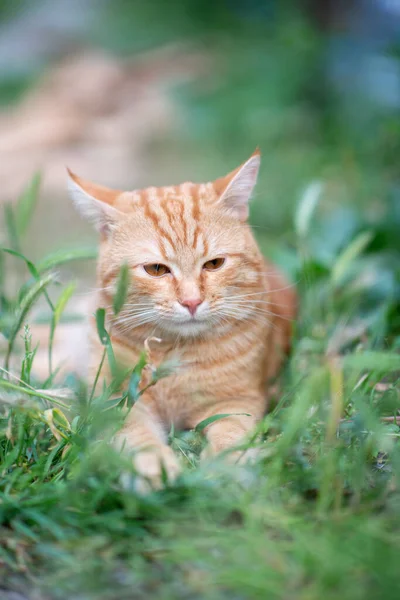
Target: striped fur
{"x":233,"y":345}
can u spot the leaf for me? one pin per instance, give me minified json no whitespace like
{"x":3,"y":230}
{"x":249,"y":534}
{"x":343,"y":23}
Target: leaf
{"x":134,"y":381}
{"x":299,"y":413}
{"x":373,"y":361}
{"x":31,"y":267}
{"x":105,"y":339}
{"x":334,"y":231}
{"x":54,"y":417}
{"x":45,"y":523}
{"x":12,"y":387}
{"x":62,"y":301}
{"x":96,"y":379}
{"x":206,"y":422}
{"x":50,"y":459}
{"x":100,"y":324}
{"x":348,"y":255}
{"x":165,"y":369}
{"x":33,"y":271}
{"x":306,"y":207}
{"x":11,"y":225}
{"x":25,"y":305}
{"x":26,"y":204}
{"x":28,"y":359}
{"x":58,"y":310}
{"x":2,"y":276}
{"x":108,"y":350}
{"x":75,"y":423}
{"x":55,"y":259}
{"x":122,"y":289}
{"x":61,"y":419}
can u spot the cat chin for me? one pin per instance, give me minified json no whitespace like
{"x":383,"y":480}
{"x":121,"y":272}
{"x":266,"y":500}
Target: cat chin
{"x":188,"y":328}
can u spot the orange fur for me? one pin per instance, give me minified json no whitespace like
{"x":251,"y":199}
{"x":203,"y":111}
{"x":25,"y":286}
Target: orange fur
{"x":232,"y":346}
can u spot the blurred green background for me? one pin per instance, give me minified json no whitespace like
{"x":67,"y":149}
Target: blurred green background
{"x":136,"y":93}
{"x":143,"y":93}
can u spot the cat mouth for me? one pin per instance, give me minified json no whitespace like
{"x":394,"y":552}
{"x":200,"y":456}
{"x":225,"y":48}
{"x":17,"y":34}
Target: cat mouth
{"x":192,"y":320}
{"x":189,"y":326}
{"x":192,"y":323}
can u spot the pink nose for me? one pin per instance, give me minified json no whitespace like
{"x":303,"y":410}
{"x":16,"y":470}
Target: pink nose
{"x":191,"y":304}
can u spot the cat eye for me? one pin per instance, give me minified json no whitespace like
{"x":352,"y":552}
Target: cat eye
{"x":214,"y":264}
{"x":156,"y":270}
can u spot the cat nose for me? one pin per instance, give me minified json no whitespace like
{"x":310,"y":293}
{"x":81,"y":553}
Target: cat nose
{"x":191,"y":304}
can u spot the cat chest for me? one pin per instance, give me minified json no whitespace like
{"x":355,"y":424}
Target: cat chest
{"x":205,"y":370}
{"x":208,"y":373}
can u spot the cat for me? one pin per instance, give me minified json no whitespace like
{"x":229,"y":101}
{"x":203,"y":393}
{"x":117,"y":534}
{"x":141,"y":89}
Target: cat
{"x":198,"y":283}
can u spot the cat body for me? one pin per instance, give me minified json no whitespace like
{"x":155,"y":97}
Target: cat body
{"x":200,"y":294}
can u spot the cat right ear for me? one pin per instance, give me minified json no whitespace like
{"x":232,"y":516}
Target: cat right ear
{"x":235,"y":189}
{"x":94,"y":202}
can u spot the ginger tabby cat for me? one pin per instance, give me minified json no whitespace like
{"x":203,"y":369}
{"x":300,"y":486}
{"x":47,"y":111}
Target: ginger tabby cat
{"x":200,"y":284}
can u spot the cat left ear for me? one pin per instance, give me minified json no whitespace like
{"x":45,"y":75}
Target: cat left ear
{"x":241,"y":182}
{"x":94,"y":202}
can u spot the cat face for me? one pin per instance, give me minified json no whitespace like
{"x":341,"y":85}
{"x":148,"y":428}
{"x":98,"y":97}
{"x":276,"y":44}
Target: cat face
{"x":191,"y":255}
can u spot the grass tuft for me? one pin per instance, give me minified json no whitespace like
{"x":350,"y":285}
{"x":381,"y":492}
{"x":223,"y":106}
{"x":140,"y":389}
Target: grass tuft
{"x":316,"y":516}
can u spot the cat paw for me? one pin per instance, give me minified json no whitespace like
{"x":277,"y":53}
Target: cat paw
{"x":240,"y":457}
{"x":152,"y":471}
{"x":237,"y":465}
{"x":244,"y":457}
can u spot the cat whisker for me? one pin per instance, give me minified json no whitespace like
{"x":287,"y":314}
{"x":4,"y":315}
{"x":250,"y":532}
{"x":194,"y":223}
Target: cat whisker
{"x":137,"y":304}
{"x":252,"y":303}
{"x":134,"y":320}
{"x":241,"y":316}
{"x":241,"y":296}
{"x":89,"y":292}
{"x":132,"y":315}
{"x":257,"y":309}
{"x":265,"y":292}
{"x":246,"y":308}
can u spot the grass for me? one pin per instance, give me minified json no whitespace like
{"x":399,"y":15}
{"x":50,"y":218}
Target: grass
{"x":318,"y":515}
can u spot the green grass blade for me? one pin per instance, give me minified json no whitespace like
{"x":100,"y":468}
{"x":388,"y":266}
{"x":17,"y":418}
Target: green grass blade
{"x":296,"y":418}
{"x":26,"y":304}
{"x":2,"y":276}
{"x":96,"y":379}
{"x":381,"y":362}
{"x":133,"y":386}
{"x":11,"y":226}
{"x":27,"y":361}
{"x":32,"y":269}
{"x":206,"y":422}
{"x":58,"y":310}
{"x":353,"y":251}
{"x":13,"y":387}
{"x":100,"y":324}
{"x":306,"y":208}
{"x":122,"y":289}
{"x":56,"y":259}
{"x":26,"y":204}
{"x":108,"y":350}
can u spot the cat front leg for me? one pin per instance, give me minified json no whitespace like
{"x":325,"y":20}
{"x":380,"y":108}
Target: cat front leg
{"x":144,"y":437}
{"x":229,"y":432}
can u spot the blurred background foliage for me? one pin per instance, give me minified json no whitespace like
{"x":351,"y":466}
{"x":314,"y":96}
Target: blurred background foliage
{"x":315,"y":84}
{"x":137,"y":93}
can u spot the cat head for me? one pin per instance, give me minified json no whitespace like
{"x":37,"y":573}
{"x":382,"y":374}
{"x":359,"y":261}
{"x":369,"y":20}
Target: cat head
{"x":191,"y":255}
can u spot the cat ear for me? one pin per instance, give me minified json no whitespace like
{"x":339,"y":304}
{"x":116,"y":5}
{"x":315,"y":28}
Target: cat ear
{"x":238,"y":186}
{"x":94,"y":202}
